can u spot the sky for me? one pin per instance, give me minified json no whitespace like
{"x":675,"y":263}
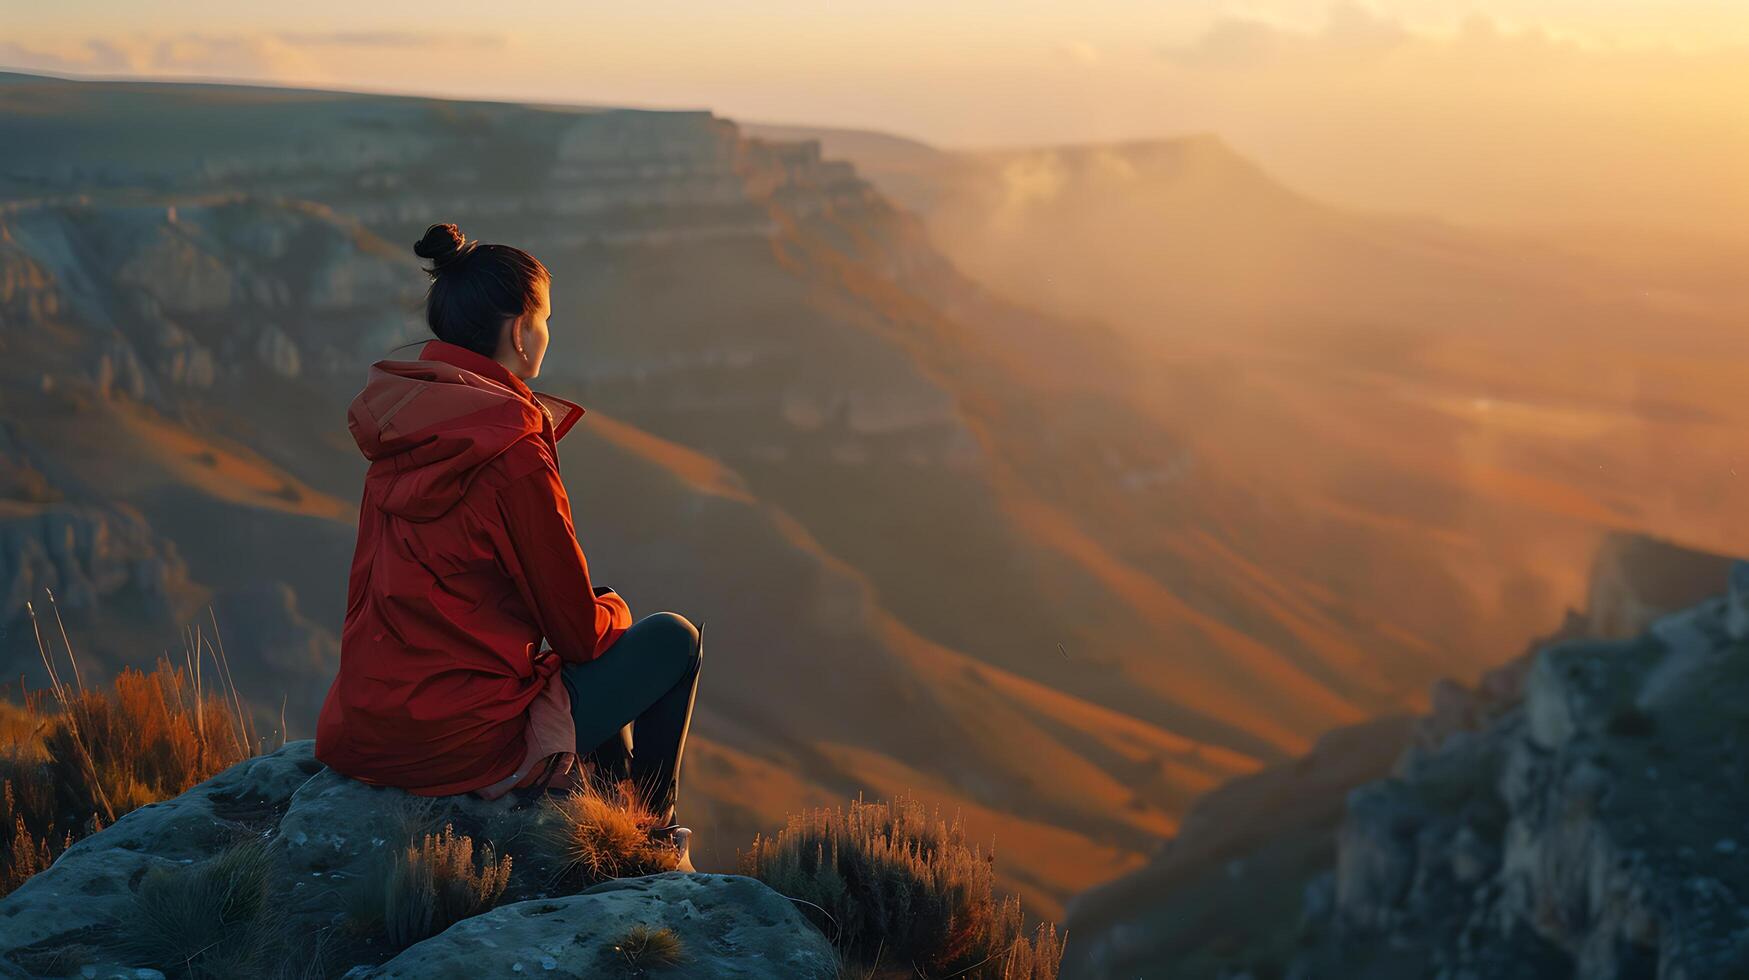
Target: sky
{"x":1500,"y":111}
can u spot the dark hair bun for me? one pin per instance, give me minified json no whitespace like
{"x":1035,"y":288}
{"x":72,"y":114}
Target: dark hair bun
{"x":441,"y":244}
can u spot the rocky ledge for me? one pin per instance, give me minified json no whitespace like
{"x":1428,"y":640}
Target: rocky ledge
{"x":326,"y":841}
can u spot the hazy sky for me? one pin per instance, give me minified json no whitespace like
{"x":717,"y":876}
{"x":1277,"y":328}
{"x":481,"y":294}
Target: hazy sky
{"x":1496,"y":110}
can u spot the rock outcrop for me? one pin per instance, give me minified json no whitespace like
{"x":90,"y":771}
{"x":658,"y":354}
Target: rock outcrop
{"x":83,"y":555}
{"x":331,"y":840}
{"x":1579,"y":813}
{"x":729,"y":927}
{"x":1593,"y":828}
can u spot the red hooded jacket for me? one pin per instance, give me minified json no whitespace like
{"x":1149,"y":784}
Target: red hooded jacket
{"x":466,"y":558}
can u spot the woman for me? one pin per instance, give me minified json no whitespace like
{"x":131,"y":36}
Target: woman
{"x":466,"y":560}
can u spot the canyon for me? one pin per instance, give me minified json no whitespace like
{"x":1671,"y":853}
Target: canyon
{"x":1060,"y":568}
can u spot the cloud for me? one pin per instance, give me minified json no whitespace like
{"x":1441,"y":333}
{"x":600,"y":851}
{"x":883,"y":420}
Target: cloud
{"x":390,"y":39}
{"x":1359,"y":28}
{"x":90,"y":55}
{"x":1355,"y":34}
{"x":1233,"y":42}
{"x":274,"y":56}
{"x":226,"y":55}
{"x":186,"y":53}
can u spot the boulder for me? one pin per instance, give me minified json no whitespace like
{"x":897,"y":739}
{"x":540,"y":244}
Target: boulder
{"x":338,"y":831}
{"x":330,"y":842}
{"x":728,"y":926}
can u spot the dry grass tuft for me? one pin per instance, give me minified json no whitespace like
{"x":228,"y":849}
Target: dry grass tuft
{"x":1035,"y":958}
{"x":74,"y":759}
{"x":604,"y":833}
{"x":645,"y":947}
{"x":437,"y":883}
{"x":895,"y":884}
{"x":210,"y":919}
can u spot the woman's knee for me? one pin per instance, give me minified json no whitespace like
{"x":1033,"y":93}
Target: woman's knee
{"x":673,"y":631}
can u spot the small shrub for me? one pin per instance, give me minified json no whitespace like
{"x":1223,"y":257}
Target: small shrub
{"x":437,"y":883}
{"x":102,"y":753}
{"x":604,"y":833}
{"x":208,"y":919}
{"x":644,"y":947}
{"x":364,"y":904}
{"x":894,"y":883}
{"x":75,"y":759}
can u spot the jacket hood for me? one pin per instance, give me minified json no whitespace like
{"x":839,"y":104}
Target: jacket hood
{"x":429,"y":425}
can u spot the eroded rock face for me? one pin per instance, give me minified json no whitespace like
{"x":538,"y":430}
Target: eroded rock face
{"x":177,"y":273}
{"x":277,"y":352}
{"x":1582,"y":812}
{"x":84,"y":555}
{"x":330,"y":841}
{"x":728,"y":927}
{"x":27,"y":292}
{"x":1596,"y":828}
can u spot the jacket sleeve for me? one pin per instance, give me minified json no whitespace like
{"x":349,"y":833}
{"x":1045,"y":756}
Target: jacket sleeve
{"x":580,"y":621}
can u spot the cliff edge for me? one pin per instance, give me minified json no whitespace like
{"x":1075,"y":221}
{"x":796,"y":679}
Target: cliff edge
{"x":1579,"y":813}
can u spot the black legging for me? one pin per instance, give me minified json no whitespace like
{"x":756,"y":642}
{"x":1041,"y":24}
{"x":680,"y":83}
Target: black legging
{"x":643,"y":686}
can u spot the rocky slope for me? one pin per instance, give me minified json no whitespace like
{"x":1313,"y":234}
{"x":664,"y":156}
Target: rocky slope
{"x":1574,"y":815}
{"x":330,"y":842}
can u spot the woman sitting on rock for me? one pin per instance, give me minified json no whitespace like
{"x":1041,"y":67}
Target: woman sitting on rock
{"x":466,"y":560}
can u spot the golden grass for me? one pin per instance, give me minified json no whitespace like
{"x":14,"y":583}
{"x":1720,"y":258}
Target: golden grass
{"x":894,"y":884}
{"x":1026,"y":958}
{"x":437,"y":883}
{"x":604,"y":832}
{"x":74,"y":759}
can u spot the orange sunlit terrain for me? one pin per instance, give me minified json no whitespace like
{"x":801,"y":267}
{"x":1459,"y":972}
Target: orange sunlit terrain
{"x":1129,"y":401}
